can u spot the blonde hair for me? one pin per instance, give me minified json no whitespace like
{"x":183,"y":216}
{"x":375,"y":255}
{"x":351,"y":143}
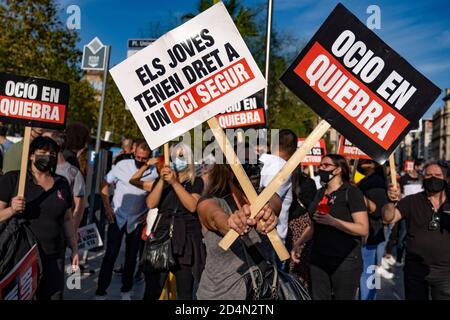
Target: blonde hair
{"x":187,"y":155}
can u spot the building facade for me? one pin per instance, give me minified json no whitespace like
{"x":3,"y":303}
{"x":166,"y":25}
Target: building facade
{"x":440,"y":139}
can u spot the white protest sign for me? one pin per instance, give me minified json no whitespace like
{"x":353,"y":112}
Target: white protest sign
{"x":188,"y":76}
{"x":89,"y":237}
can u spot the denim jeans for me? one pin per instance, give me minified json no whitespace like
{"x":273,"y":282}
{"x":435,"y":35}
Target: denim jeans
{"x":367,"y":289}
{"x":381,"y":247}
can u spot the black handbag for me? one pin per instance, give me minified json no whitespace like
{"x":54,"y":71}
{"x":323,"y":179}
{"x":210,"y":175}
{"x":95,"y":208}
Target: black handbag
{"x":268,"y":282}
{"x":157,"y":255}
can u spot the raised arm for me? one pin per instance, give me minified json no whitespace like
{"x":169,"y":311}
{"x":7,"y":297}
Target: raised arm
{"x":390,"y":213}
{"x":154,"y":197}
{"x":136,"y":178}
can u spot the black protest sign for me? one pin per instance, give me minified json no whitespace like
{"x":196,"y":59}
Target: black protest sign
{"x":33,"y":102}
{"x":248,"y":113}
{"x":357,"y":83}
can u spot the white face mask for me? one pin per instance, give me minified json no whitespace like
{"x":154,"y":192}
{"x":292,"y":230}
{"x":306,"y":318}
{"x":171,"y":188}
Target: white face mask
{"x":179,"y":165}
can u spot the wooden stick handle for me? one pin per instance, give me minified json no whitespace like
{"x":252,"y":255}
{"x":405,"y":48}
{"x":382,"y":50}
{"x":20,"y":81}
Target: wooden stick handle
{"x":393,"y":170}
{"x":233,"y":160}
{"x":311,"y":171}
{"x":166,"y":154}
{"x":24,"y":161}
{"x":245,"y":183}
{"x":280,"y":178}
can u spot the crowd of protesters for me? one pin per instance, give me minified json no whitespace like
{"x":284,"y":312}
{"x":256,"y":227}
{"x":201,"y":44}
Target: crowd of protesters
{"x":341,"y":237}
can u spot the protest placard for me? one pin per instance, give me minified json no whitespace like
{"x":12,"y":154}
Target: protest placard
{"x":247,"y":113}
{"x":315,"y":154}
{"x":33,"y":101}
{"x":188,"y":76}
{"x":349,"y":150}
{"x":21,"y":282}
{"x":89,"y":237}
{"x":360,"y":85}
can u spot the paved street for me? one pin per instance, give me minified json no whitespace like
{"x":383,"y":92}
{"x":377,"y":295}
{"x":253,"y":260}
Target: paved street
{"x":390,"y":289}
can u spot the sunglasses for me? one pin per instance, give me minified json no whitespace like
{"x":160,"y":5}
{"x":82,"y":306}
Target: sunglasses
{"x":435,"y":223}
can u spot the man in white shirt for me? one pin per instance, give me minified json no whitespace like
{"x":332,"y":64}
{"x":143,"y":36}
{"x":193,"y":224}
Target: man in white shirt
{"x":125,"y":215}
{"x":282,"y":148}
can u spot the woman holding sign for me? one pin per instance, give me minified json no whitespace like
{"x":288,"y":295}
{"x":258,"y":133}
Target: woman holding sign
{"x":46,"y":207}
{"x":340,"y":221}
{"x":176,"y":194}
{"x":224,"y":207}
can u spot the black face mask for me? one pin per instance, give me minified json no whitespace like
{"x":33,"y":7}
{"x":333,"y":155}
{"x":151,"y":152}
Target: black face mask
{"x":45,"y":163}
{"x":326,"y":176}
{"x":433,"y":184}
{"x":138,"y":164}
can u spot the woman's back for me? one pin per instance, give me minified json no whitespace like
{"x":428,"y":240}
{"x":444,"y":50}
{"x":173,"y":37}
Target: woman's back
{"x":224,"y":276}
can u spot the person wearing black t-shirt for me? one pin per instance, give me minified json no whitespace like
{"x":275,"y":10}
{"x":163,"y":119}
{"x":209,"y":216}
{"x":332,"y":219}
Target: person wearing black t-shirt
{"x":427,"y":216}
{"x":176,"y":194}
{"x":46,"y":208}
{"x":397,"y":237}
{"x":340,"y":221}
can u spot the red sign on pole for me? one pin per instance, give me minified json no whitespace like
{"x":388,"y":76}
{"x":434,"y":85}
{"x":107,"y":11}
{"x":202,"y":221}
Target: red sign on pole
{"x":349,"y":150}
{"x":358,"y":84}
{"x":315,"y":155}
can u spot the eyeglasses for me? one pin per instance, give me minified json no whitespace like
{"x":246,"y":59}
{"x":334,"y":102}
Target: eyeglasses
{"x":435,"y":223}
{"x":327,"y":165}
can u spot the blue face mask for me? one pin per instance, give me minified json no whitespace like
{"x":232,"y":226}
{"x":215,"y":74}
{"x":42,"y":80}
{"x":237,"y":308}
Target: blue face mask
{"x":179,"y":165}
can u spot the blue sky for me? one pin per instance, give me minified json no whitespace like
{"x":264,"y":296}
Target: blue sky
{"x":417,"y":30}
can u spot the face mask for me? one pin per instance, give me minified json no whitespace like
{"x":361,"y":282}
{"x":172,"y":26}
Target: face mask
{"x":325,"y":176}
{"x":138,"y":164}
{"x":45,"y":163}
{"x":433,"y":184}
{"x":179,"y":165}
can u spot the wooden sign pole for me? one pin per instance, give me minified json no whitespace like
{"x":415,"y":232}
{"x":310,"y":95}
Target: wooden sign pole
{"x":311,"y":171}
{"x":244,"y":181}
{"x":393,"y":170}
{"x":24,"y":161}
{"x":166,"y":154}
{"x":279,"y":179}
